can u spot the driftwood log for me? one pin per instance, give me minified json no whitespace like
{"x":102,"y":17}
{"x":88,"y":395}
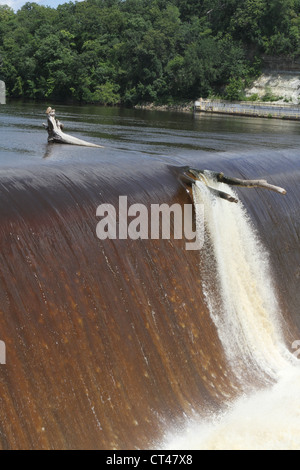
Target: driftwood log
{"x":191,"y":175}
{"x":56,"y":134}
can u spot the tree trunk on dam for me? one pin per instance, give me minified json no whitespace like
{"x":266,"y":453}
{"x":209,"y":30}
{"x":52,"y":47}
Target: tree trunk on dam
{"x":56,"y":134}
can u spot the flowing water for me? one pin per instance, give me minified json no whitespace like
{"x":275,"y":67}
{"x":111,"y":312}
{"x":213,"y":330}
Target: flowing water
{"x":245,"y":310}
{"x":125,"y":344}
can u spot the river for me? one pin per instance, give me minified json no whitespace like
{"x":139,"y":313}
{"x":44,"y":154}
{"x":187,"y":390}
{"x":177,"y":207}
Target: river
{"x":170,"y":136}
{"x":139,"y":343}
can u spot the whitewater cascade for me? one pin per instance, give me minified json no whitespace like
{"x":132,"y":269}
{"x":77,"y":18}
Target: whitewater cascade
{"x":242,"y":302}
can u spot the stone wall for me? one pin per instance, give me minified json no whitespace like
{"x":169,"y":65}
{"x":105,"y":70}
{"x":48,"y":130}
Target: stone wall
{"x":246,"y":108}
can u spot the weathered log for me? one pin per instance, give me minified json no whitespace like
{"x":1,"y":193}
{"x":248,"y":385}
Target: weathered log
{"x":56,"y":135}
{"x":249,"y":183}
{"x":190,"y":176}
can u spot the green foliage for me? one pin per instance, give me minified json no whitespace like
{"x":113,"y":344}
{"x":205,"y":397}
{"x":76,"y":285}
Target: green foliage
{"x":130,"y":51}
{"x":234,"y":89}
{"x":254,"y":97}
{"x":270,"y":97}
{"x":106,"y":94}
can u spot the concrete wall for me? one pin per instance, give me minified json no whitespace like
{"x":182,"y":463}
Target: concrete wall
{"x":2,"y":93}
{"x":246,"y":108}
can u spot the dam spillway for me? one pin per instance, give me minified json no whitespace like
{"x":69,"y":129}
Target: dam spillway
{"x":111,"y":344}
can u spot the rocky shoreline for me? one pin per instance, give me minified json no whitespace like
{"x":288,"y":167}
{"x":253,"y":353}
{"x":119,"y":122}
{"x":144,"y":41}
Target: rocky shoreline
{"x":239,"y":108}
{"x":250,"y":109}
{"x":182,"y":107}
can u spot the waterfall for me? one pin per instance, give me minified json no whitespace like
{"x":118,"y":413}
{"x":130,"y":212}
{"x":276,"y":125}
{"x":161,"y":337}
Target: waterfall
{"x":242,"y":301}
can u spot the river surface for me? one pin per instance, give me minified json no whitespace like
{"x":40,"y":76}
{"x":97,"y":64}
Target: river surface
{"x":139,"y":343}
{"x":167,"y":135}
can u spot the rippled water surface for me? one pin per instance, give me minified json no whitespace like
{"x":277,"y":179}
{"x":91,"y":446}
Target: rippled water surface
{"x":166,"y":135}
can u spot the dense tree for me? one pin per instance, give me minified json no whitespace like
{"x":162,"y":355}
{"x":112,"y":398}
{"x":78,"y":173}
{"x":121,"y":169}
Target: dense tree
{"x":127,"y":51}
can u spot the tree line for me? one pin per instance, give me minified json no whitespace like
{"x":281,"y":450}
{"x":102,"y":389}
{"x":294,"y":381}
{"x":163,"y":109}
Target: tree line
{"x":133,"y":51}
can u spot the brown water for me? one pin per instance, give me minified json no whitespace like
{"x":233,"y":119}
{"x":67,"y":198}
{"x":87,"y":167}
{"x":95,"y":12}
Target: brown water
{"x":111,"y":344}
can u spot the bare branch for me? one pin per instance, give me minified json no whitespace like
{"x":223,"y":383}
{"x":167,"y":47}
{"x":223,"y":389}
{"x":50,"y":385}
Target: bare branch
{"x":189,"y":176}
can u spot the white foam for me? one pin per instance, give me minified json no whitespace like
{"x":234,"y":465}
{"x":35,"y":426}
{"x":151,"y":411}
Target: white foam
{"x":245,"y":311}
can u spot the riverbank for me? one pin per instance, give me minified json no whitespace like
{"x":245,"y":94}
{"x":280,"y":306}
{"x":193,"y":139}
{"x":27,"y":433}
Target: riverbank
{"x":186,"y":107}
{"x":239,"y":108}
{"x":246,"y":108}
